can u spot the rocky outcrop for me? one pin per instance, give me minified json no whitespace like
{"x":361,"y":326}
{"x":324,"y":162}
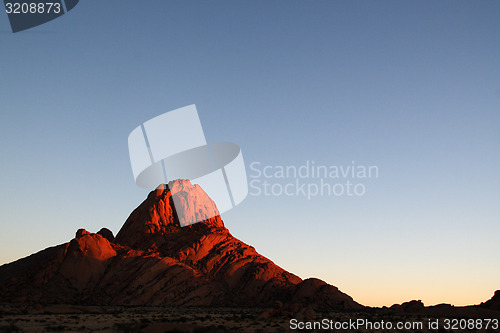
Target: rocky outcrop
{"x":155,"y":222}
{"x":85,"y":260}
{"x":155,"y":261}
{"x":320,"y":295}
{"x":108,"y":234}
{"x":409,"y":307}
{"x":493,"y":303}
{"x":488,"y":309}
{"x":81,"y":232}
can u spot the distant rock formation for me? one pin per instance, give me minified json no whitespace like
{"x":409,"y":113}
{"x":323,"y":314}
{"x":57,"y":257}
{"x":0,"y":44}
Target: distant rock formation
{"x":493,"y":303}
{"x":155,"y":261}
{"x":488,"y":309}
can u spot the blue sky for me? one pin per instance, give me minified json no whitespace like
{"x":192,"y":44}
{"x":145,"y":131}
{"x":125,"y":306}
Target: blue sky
{"x":412,"y":87}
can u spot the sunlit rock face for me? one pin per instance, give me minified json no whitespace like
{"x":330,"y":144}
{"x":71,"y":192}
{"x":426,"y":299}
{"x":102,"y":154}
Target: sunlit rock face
{"x":191,"y":202}
{"x":153,"y":260}
{"x":85,"y":259}
{"x":157,"y":217}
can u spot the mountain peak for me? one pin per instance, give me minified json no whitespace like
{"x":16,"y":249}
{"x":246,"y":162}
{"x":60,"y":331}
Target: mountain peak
{"x":154,"y":260}
{"x":170,"y":209}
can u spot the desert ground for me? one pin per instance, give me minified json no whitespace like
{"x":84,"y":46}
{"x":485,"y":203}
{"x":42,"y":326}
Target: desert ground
{"x":68,"y":318}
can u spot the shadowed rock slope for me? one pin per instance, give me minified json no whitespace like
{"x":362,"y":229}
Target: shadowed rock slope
{"x":154,"y":261}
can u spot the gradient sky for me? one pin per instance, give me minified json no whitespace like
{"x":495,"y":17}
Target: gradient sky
{"x":412,"y":87}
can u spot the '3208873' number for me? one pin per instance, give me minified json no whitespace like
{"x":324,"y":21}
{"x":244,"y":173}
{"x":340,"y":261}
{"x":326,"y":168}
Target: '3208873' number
{"x":470,"y":324}
{"x":33,"y":8}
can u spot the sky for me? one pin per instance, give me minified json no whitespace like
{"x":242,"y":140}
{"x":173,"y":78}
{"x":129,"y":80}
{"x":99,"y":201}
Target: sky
{"x":410,"y":87}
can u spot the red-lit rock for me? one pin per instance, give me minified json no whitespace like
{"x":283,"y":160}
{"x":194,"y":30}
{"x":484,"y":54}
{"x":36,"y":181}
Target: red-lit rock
{"x":155,"y":261}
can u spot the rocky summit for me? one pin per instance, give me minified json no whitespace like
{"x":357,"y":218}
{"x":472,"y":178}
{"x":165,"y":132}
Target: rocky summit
{"x":154,"y":261}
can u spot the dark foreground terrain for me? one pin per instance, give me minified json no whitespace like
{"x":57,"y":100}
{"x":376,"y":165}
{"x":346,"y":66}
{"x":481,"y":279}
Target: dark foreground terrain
{"x":68,"y":318}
